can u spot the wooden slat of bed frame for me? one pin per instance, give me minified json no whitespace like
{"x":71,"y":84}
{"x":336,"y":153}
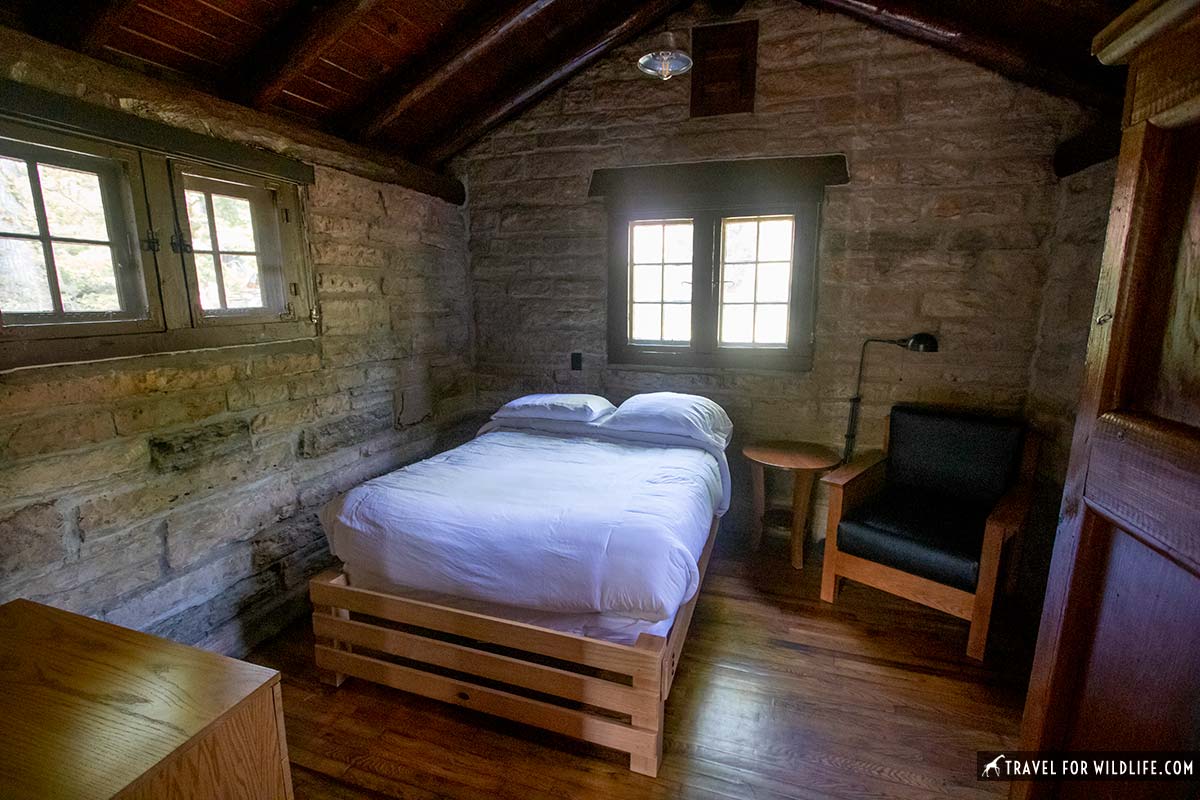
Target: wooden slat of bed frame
{"x":567,"y":721}
{"x":516,"y":635}
{"x":526,"y":674}
{"x":683,"y":620}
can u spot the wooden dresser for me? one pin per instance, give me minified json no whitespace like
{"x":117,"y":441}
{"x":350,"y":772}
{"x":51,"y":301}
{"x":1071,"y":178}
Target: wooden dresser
{"x":92,"y":710}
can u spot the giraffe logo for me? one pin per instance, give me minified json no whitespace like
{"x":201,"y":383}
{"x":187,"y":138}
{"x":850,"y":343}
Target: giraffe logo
{"x":993,"y":766}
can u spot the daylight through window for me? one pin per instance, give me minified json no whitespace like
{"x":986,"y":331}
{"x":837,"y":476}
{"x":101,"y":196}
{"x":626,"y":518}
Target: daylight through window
{"x":756,"y":276}
{"x":660,"y":281}
{"x":62,"y":257}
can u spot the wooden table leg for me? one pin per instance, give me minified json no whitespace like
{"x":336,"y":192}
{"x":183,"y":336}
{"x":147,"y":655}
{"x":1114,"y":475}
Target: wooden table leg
{"x":760,"y":505}
{"x":801,"y":494}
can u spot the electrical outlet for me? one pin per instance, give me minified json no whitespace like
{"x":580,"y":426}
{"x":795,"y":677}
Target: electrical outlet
{"x":576,"y":361}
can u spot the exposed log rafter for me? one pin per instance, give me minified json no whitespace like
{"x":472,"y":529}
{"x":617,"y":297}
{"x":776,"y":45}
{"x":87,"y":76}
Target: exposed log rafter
{"x":303,"y":40}
{"x":521,"y":97}
{"x":465,"y":54}
{"x":960,"y":36}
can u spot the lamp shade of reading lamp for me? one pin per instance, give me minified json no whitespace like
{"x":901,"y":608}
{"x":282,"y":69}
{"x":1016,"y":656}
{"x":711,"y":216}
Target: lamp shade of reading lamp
{"x":918,"y":343}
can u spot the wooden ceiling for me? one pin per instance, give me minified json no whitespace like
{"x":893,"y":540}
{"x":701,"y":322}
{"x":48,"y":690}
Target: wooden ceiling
{"x":425,"y":78}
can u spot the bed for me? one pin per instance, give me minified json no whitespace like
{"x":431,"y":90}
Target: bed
{"x":545,"y":571}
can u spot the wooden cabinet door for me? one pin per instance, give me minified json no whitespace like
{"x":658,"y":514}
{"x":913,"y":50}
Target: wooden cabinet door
{"x":1118,"y":658}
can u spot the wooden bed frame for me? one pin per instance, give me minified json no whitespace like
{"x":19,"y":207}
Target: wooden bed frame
{"x":599,"y":691}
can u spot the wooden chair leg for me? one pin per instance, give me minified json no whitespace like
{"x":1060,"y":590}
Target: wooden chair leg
{"x":828,"y":565}
{"x":985,"y":594}
{"x":328,"y":677}
{"x":1012,"y":570}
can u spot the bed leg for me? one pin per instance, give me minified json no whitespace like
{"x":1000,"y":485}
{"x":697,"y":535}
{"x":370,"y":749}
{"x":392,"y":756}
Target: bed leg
{"x":649,"y":715}
{"x":329,"y":677}
{"x":647,"y":763}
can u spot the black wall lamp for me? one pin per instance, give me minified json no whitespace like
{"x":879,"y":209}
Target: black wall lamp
{"x":918,"y":343}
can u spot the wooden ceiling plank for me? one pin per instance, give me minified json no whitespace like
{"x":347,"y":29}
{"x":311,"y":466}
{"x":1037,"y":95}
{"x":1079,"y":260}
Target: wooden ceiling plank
{"x":105,"y":23}
{"x":460,"y":62}
{"x":971,"y":41}
{"x":304,"y":48}
{"x":477,"y":125}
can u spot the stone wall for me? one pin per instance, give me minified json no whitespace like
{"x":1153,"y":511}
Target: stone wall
{"x":942,"y":227}
{"x":178,"y":493}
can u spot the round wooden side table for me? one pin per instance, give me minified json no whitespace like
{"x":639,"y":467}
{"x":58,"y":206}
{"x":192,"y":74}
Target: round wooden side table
{"x":805,"y":460}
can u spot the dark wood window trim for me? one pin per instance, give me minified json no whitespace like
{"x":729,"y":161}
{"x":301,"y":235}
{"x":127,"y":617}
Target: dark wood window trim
{"x":707,"y":193}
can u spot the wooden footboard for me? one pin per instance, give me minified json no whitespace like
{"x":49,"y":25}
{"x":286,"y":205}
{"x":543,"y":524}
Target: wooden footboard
{"x":602,"y":692}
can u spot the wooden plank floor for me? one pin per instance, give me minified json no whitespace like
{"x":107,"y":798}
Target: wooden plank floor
{"x":778,"y":696}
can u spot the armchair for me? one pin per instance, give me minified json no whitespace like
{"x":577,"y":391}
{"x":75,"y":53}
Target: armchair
{"x":929,"y":518}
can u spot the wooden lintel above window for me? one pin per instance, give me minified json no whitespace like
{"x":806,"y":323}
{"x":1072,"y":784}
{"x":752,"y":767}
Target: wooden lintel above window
{"x":756,"y":180}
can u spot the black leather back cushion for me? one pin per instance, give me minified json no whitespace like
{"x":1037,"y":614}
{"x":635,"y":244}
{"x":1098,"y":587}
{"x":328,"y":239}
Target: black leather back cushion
{"x":966,"y":455}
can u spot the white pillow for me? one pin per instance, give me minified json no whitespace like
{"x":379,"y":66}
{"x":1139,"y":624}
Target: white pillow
{"x":575,"y":407}
{"x":674,"y":414}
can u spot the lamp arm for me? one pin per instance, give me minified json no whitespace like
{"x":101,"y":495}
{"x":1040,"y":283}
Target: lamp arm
{"x":856,"y":400}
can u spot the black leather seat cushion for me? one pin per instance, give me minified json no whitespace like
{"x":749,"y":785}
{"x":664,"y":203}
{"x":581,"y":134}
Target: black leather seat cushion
{"x":919,"y":532}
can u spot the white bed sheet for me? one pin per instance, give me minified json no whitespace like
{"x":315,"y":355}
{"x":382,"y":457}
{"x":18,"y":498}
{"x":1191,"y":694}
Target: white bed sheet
{"x":566,"y":522}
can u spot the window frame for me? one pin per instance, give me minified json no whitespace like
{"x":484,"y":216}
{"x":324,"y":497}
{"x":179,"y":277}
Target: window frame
{"x":704,"y":350}
{"x":121,"y":178}
{"x":276,"y":259}
{"x":173,"y":320}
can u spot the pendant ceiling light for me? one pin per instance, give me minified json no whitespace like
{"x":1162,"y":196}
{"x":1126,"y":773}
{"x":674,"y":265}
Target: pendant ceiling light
{"x":666,"y":58}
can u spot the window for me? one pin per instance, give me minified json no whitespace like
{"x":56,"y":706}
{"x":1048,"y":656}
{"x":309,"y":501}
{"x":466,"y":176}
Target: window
{"x":149,"y":252}
{"x":756,"y":278}
{"x":714,"y":287}
{"x":660,"y":281}
{"x":713,"y":263}
{"x":231,"y":245}
{"x":65,"y":256}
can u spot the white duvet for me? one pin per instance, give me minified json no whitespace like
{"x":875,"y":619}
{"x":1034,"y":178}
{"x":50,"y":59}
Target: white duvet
{"x":570,"y":520}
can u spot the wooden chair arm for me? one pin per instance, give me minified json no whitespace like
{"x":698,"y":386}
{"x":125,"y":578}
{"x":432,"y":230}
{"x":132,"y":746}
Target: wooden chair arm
{"x":852,"y":483}
{"x":853,"y":470}
{"x":1011,"y":511}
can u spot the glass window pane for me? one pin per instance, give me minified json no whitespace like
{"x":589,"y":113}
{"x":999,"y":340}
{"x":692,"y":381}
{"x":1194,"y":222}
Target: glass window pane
{"x":197,"y":212}
{"x":738,"y":284}
{"x":647,"y":322}
{"x":677,"y":322}
{"x":23,"y":282}
{"x":678,"y":243}
{"x":770,"y":324}
{"x":86,"y":280}
{"x":773,"y":282}
{"x":16,"y":198}
{"x":647,"y":243}
{"x":677,"y":282}
{"x":206,"y":274}
{"x":241,"y":280}
{"x":775,"y":239}
{"x":741,"y":240}
{"x":737,"y":324}
{"x":74,"y":203}
{"x":235,"y":225}
{"x":647,"y":283}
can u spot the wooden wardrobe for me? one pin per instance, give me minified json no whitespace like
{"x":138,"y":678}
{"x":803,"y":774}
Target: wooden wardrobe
{"x":1118,"y":655}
